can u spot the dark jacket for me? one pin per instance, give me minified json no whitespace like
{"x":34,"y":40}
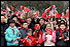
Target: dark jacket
{"x":4,"y":26}
{"x":23,"y":33}
{"x":33,"y":21}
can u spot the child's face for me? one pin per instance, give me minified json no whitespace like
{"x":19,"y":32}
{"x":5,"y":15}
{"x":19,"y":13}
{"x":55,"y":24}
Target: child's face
{"x":41,"y":21}
{"x":15,"y":19}
{"x":25,"y":25}
{"x":12,"y":24}
{"x":48,"y":26}
{"x":29,"y":33}
{"x":62,"y":27}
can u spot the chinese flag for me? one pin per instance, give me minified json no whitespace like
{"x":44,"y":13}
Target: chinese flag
{"x":58,"y":15}
{"x":15,"y":12}
{"x":21,"y":7}
{"x":12,"y":8}
{"x":27,"y":9}
{"x":67,"y":15}
{"x":4,"y":10}
{"x":37,"y":13}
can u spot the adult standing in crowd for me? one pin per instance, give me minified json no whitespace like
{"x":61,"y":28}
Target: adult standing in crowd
{"x":3,"y":28}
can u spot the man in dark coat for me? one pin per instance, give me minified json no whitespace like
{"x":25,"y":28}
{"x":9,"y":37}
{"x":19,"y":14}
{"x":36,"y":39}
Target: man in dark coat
{"x":61,"y":36}
{"x":35,"y":19}
{"x":4,"y":26}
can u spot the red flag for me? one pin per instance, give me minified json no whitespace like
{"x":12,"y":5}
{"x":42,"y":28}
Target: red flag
{"x":21,"y":7}
{"x":4,"y":10}
{"x":21,"y":12}
{"x":37,"y":27}
{"x":49,"y":16}
{"x":15,"y":12}
{"x":52,"y":6}
{"x":58,"y":15}
{"x":40,"y":39}
{"x":12,"y":8}
{"x":37,"y":13}
{"x":44,"y":16}
{"x":67,"y":15}
{"x":27,"y":9}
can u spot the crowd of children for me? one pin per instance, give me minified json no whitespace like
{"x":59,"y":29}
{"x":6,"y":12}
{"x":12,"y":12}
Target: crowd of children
{"x":26,"y":28}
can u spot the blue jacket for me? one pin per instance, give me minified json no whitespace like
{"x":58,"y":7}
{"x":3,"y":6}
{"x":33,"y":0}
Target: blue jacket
{"x":9,"y":35}
{"x":23,"y":34}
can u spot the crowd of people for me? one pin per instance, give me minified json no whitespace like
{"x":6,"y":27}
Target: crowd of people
{"x":24,"y":27}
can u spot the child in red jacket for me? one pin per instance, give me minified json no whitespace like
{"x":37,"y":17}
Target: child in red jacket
{"x":38,"y":35}
{"x":28,"y":40}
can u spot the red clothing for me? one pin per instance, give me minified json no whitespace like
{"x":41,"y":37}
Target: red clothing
{"x":39,"y":38}
{"x":26,"y":43}
{"x":56,"y":30}
{"x":51,"y":32}
{"x":61,"y":31}
{"x":24,"y":29}
{"x":13,"y":31}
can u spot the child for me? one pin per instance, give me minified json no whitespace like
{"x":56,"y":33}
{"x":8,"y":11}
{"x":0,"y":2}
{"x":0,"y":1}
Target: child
{"x":38,"y":34}
{"x":23,"y":30}
{"x":48,"y":41}
{"x":61,"y":35}
{"x":12,"y":34}
{"x":48,"y":31}
{"x":29,"y":40}
{"x":42,"y":24}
